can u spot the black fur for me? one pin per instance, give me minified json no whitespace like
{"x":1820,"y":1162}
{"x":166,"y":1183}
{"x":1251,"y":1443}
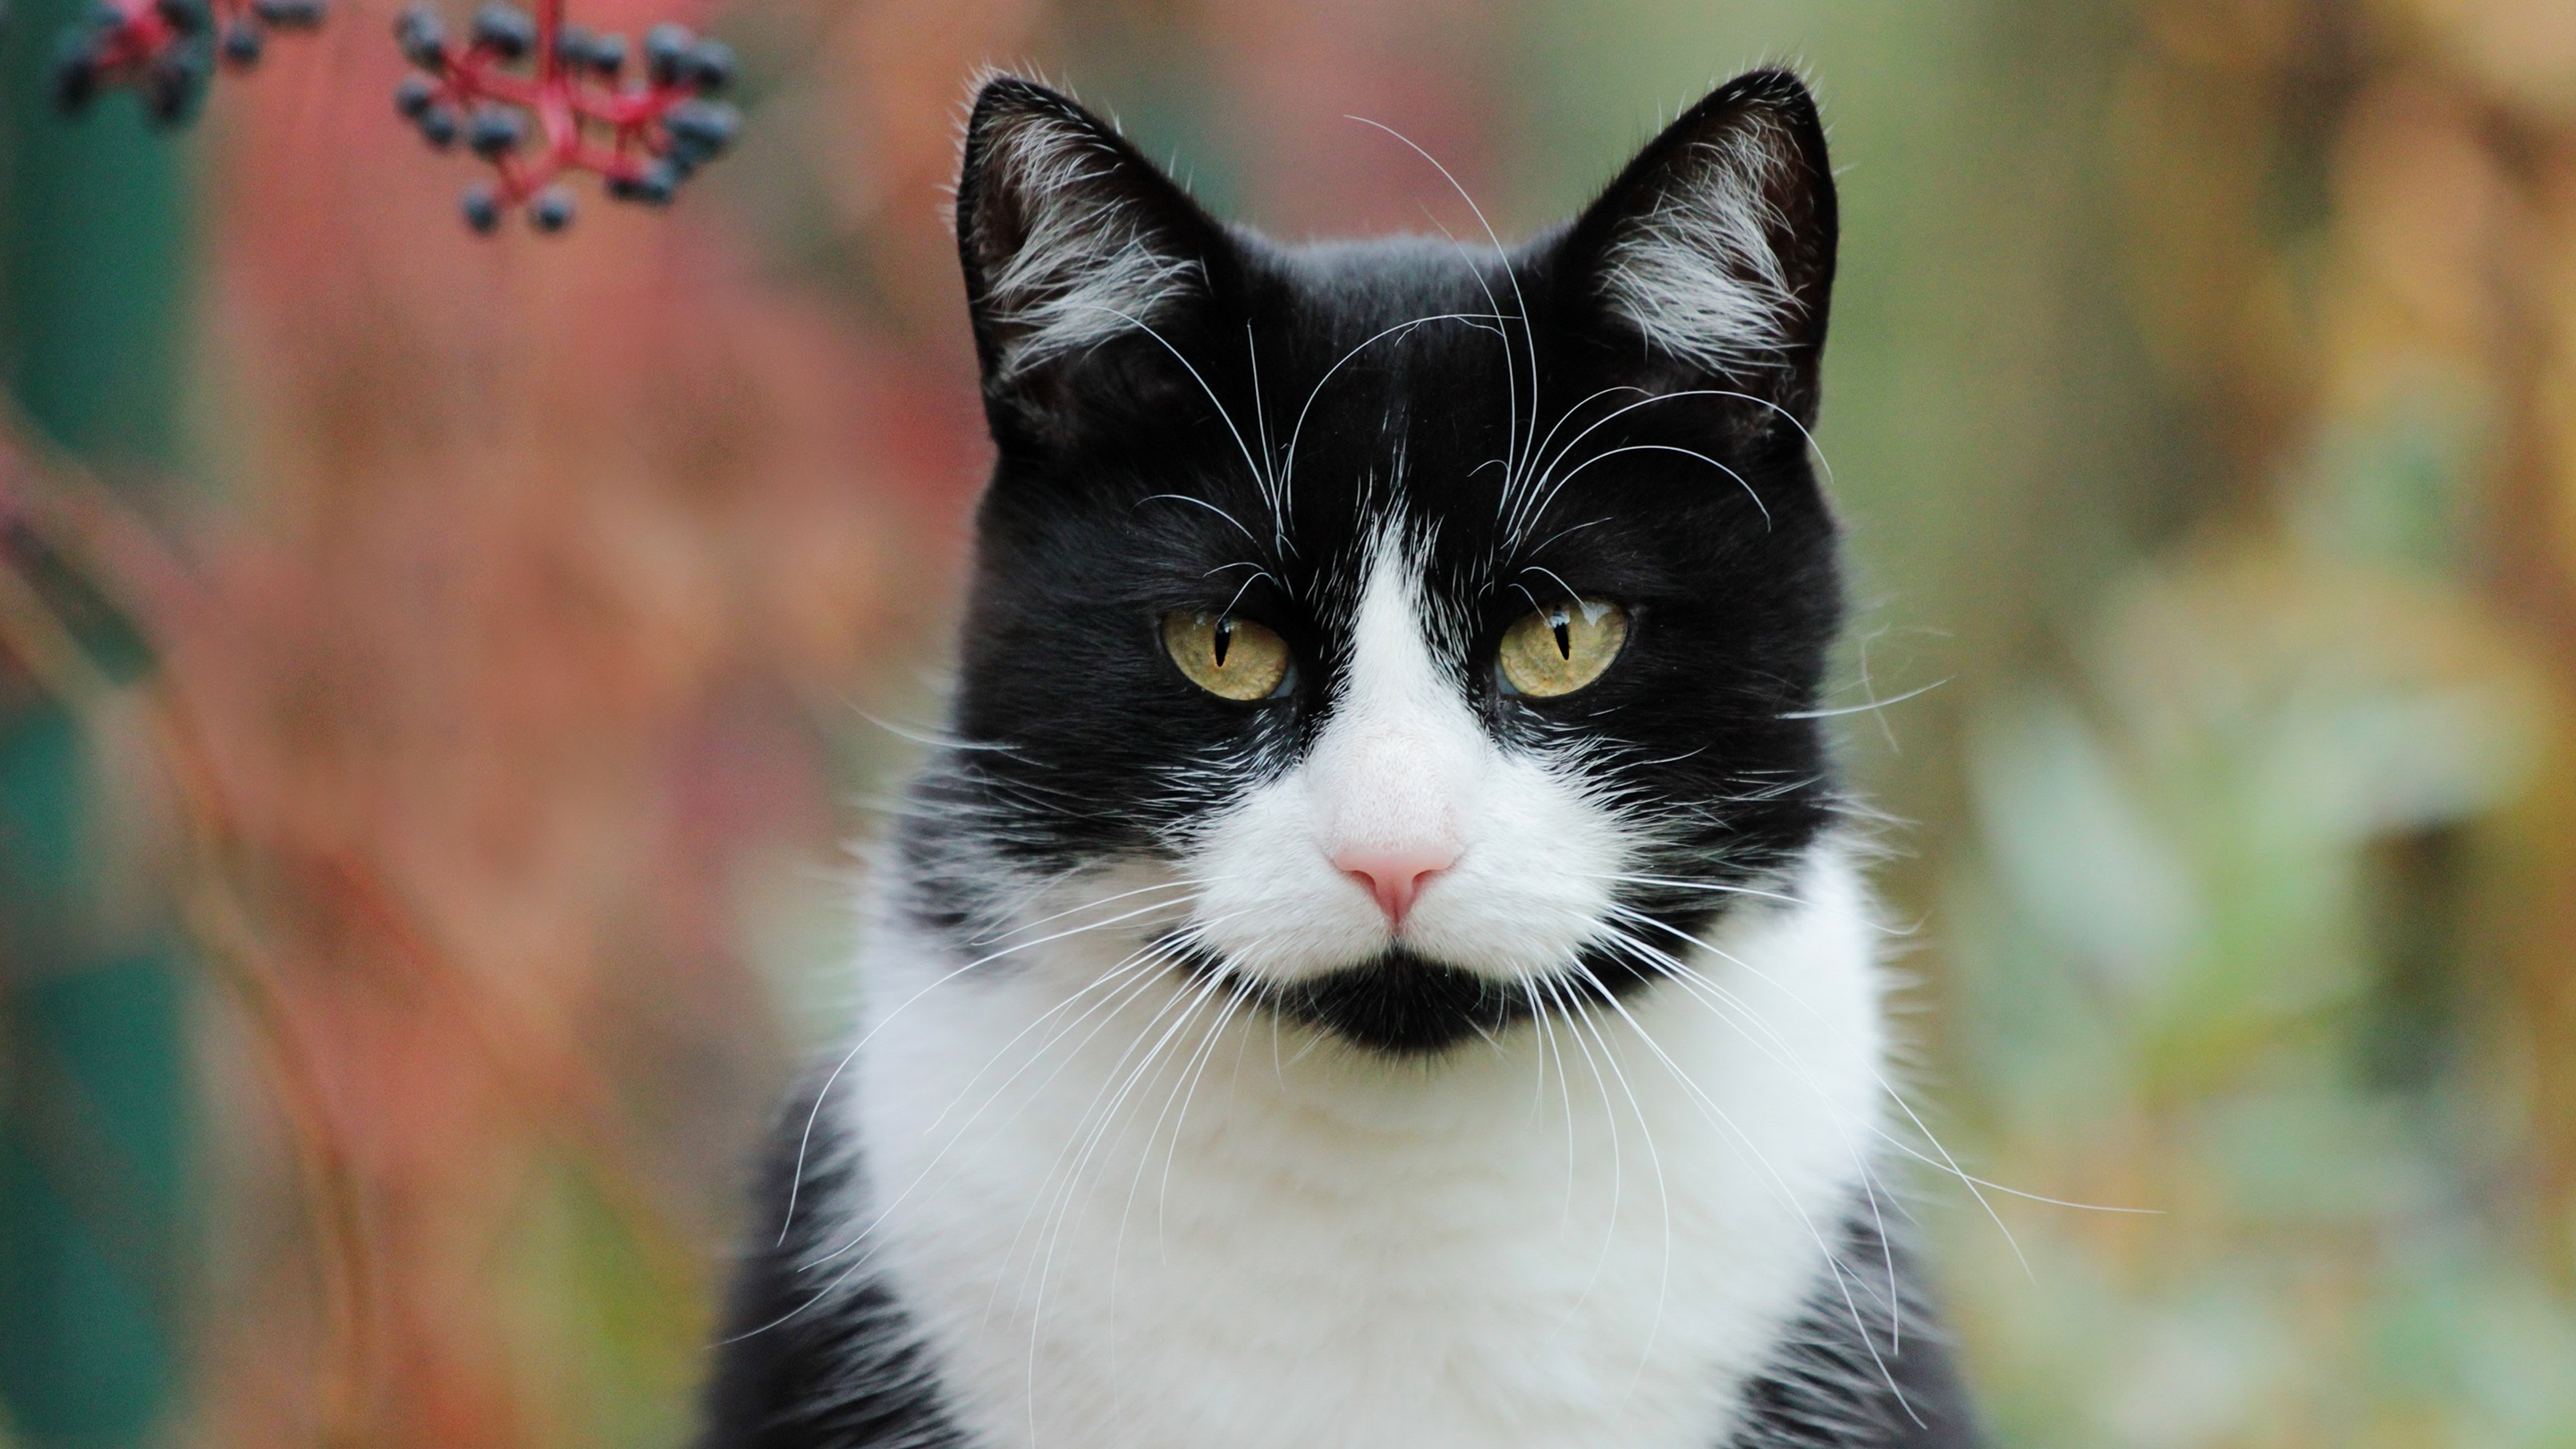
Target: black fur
{"x":1866,"y":1363}
{"x":817,"y":1353}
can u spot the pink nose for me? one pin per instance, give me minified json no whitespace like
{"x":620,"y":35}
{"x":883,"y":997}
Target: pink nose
{"x":1396,"y":877}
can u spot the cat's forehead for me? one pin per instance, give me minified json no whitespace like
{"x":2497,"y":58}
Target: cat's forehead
{"x":1376,"y":312}
{"x":1395,"y":366}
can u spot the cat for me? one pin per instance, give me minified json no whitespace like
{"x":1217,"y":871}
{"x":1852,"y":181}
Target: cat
{"x":1380,"y":959}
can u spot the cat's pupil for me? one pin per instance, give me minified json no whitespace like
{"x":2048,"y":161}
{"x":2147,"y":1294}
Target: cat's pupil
{"x":1224,"y":638}
{"x":1559,"y":622}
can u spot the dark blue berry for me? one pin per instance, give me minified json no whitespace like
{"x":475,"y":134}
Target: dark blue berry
{"x":438,"y":126}
{"x":504,"y":29}
{"x":413,"y":96}
{"x":242,"y":42}
{"x":175,"y":85}
{"x":75,"y":75}
{"x":422,"y":36}
{"x":711,"y":65}
{"x":288,"y":14}
{"x":551,"y":212}
{"x":188,"y":17}
{"x":169,"y":96}
{"x":482,"y":208}
{"x":701,"y":130}
{"x":493,"y":132}
{"x":572,"y":44}
{"x":666,"y":52}
{"x":660,"y":182}
{"x":608,"y":54}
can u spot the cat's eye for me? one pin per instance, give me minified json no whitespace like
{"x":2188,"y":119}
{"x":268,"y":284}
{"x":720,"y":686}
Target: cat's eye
{"x":1561,"y":648}
{"x":1228,"y":657}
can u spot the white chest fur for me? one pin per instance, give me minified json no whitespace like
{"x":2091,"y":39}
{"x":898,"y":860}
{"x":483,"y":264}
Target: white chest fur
{"x":1124,"y":1216}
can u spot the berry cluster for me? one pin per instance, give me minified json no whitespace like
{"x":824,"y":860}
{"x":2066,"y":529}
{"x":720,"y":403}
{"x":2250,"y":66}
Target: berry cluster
{"x":539,"y":98}
{"x":167,"y":49}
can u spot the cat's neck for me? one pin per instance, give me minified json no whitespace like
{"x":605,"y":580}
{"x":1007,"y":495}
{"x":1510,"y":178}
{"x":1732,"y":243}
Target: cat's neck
{"x":1064,"y":1174}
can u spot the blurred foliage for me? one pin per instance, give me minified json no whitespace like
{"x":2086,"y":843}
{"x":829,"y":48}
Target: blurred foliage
{"x":2268,"y":929}
{"x":96,"y":1129}
{"x":2202,"y":401}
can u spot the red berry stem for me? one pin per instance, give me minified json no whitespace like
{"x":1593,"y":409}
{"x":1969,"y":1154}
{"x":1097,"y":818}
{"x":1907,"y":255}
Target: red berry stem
{"x":167,"y":49}
{"x":540,"y":99}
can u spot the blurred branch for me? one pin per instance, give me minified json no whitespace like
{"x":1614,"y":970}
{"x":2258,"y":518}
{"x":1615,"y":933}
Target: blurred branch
{"x":539,"y":1070}
{"x":32,"y":632}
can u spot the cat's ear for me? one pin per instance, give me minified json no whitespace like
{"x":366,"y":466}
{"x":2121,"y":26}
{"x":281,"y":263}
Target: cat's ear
{"x":1074,"y":248}
{"x":1713,"y":253}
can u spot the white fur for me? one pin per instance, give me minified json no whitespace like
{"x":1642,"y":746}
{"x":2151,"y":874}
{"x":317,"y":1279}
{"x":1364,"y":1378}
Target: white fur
{"x":1130,"y":1213}
{"x":1089,"y":267}
{"x":1697,"y":274}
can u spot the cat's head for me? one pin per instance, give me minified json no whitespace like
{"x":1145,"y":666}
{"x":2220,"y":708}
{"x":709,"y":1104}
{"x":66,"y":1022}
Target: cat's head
{"x":1435,"y":628}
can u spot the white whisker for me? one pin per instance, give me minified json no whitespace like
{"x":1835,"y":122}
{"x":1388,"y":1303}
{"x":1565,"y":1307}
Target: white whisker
{"x":1861,"y":708}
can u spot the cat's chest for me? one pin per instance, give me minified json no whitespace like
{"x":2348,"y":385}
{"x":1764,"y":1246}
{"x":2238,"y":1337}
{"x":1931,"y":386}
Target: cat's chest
{"x":1151,"y":1233}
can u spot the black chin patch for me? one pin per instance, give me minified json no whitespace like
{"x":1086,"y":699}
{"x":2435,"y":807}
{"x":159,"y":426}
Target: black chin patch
{"x":1401,"y":1004}
{"x":1404,"y":1005}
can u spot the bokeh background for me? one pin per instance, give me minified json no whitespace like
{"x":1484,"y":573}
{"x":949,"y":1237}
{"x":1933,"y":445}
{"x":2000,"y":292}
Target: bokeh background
{"x":440,"y":678}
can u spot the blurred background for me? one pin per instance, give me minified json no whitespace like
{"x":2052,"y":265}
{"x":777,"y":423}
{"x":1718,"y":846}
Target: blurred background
{"x":437,"y":675}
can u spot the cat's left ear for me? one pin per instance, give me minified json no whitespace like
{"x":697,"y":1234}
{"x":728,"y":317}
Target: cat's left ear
{"x":1712,"y":255}
{"x":1077,"y":253}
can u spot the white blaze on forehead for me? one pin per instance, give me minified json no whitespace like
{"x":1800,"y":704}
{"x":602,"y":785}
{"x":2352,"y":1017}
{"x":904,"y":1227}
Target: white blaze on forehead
{"x":1401,"y":748}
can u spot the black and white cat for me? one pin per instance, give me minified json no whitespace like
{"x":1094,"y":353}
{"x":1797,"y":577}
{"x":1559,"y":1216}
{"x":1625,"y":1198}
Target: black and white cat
{"x":1377,"y":963}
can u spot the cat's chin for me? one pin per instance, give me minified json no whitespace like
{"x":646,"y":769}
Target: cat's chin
{"x":1404,"y":1004}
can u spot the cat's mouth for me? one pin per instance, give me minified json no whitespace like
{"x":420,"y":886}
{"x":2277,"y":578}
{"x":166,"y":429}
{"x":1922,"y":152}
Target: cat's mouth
{"x":1402,"y":1003}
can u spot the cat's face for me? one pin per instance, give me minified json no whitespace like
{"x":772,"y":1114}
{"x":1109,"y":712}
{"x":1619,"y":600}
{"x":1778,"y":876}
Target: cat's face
{"x":1439,"y":627}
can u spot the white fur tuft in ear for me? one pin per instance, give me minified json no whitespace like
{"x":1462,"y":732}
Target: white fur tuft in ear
{"x":1699,"y":272}
{"x":1078,"y":261}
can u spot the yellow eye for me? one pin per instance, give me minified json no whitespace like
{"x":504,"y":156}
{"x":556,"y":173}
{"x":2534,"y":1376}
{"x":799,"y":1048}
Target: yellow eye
{"x":1228,"y":657}
{"x":1562,"y":648}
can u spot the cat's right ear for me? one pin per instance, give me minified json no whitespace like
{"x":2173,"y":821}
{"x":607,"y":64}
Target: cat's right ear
{"x":1078,"y":253}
